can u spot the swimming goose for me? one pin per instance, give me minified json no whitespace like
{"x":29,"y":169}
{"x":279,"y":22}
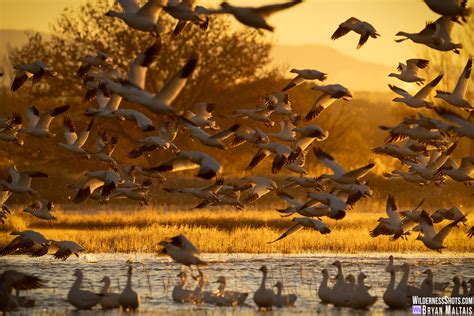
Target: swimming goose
{"x":28,"y":240}
{"x":419,"y":99}
{"x":397,"y":297}
{"x":164,"y":140}
{"x":264,"y":298}
{"x":207,"y":166}
{"x":330,"y":93}
{"x":258,"y":186}
{"x":463,"y":127}
{"x":42,"y":209}
{"x":360,"y":296}
{"x":340,"y":175}
{"x":228,"y":298}
{"x":180,"y":294}
{"x":456,"y":287}
{"x":364,"y":29}
{"x":203,"y":116}
{"x":82,"y":299}
{"x":451,"y":214}
{"x":252,"y":16}
{"x":214,"y":140}
{"x":182,"y":250}
{"x":409,"y":71}
{"x":66,"y":248}
{"x":247,"y":134}
{"x":300,"y":223}
{"x":457,"y":97}
{"x":39,"y":121}
{"x":281,"y":154}
{"x":339,"y":292}
{"x":109,"y":300}
{"x":89,"y":61}
{"x":11,"y":279}
{"x":144,"y":18}
{"x":20,"y":181}
{"x":104,"y":147}
{"x":452,"y":8}
{"x":324,"y":291}
{"x":37,"y":70}
{"x":286,"y":132}
{"x":9,"y":128}
{"x":391,"y":266}
{"x":465,"y":289}
{"x":430,"y":238}
{"x":459,"y":172}
{"x":283,"y":300}
{"x":186,"y":11}
{"x":74,"y":141}
{"x":129,"y":300}
{"x":304,"y":75}
{"x":426,"y":288}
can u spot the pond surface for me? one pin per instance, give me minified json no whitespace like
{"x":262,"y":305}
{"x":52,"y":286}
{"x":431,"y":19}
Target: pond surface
{"x":154,"y":278}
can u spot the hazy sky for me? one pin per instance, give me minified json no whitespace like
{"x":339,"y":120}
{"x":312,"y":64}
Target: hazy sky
{"x":311,"y":22}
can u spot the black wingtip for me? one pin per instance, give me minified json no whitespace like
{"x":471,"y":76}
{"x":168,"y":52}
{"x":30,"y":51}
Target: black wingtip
{"x":188,"y":69}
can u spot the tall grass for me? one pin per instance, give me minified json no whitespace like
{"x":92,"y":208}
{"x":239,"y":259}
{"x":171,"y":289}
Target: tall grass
{"x":222,"y":230}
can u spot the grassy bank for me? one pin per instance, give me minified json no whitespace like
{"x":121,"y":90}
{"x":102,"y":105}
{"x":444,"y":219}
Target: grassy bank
{"x":220,"y":231}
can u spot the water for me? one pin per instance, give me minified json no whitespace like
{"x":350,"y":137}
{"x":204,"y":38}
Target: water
{"x":154,"y":278}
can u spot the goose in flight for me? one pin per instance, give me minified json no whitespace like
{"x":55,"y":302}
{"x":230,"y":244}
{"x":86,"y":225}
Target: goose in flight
{"x":295,"y":206}
{"x":452,"y":8}
{"x":214,"y":140}
{"x":340,"y":175}
{"x":39,"y":121}
{"x":330,"y":93}
{"x":463,"y":127}
{"x":167,"y":134}
{"x":180,"y":294}
{"x":74,"y":141}
{"x":138,"y":68}
{"x":9,"y":128}
{"x":286,"y":132}
{"x":264,"y":298}
{"x":441,"y":39}
{"x":409,"y":71}
{"x":364,"y":29}
{"x":89,"y":61}
{"x":425,"y":36}
{"x":250,"y":135}
{"x":409,"y":150}
{"x":208,"y":192}
{"x":144,"y":18}
{"x":280,"y":151}
{"x":66,"y":248}
{"x":428,"y":168}
{"x":104,"y":147}
{"x":303,"y":75}
{"x":281,"y":105}
{"x":42,"y":209}
{"x":258,"y":186}
{"x":182,"y":250}
{"x":297,"y":166}
{"x":4,"y":209}
{"x":457,"y":97}
{"x":203,"y":116}
{"x":259,"y":114}
{"x":129,"y":300}
{"x":419,"y":99}
{"x":134,"y":193}
{"x":452,"y":214}
{"x":252,"y":16}
{"x":79,"y":298}
{"x":409,"y":176}
{"x":281,"y":300}
{"x":336,"y":205}
{"x":186,"y":11}
{"x":470,"y":232}
{"x":207,"y":166}
{"x":300,"y":223}
{"x":27,"y":241}
{"x":20,"y":181}
{"x":12,"y":279}
{"x":37,"y":70}
{"x":106,"y":180}
{"x":458,"y":172}
{"x":430,"y":237}
{"x":392,"y":225}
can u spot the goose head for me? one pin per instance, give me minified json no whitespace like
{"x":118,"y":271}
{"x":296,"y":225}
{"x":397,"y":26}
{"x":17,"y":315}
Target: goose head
{"x":337,"y":263}
{"x":263,"y":269}
{"x":221,"y":280}
{"x":325,"y":273}
{"x":105,"y":279}
{"x":456,"y":280}
{"x":78,"y":273}
{"x":405,"y":267}
{"x":278,"y":285}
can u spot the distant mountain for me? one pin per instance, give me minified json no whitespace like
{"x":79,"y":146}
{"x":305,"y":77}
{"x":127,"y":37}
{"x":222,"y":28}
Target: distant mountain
{"x":353,"y":73}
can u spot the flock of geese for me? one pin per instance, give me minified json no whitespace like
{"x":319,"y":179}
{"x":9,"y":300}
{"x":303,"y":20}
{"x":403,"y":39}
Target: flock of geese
{"x":422,"y":143}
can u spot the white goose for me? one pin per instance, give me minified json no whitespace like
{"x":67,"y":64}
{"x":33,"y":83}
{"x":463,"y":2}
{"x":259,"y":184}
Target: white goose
{"x":129,"y":300}
{"x":300,"y":223}
{"x":409,"y":71}
{"x":451,"y":214}
{"x":89,"y":61}
{"x":186,"y":11}
{"x":281,"y":300}
{"x":74,"y":142}
{"x":360,"y":297}
{"x":324,"y":291}
{"x":11,"y":279}
{"x":263,"y":297}
{"x":228,"y":298}
{"x":203,"y":116}
{"x":20,"y":181}
{"x":28,"y":240}
{"x":82,"y":299}
{"x":104,"y":147}
{"x":457,"y":97}
{"x":463,"y":126}
{"x":258,"y":186}
{"x":208,"y":192}
{"x":4,"y":208}
{"x":182,"y":250}
{"x":281,"y":154}
{"x":441,"y":39}
{"x":168,"y":133}
{"x":39,"y":122}
{"x":66,"y":248}
{"x":9,"y":128}
{"x":459,"y":172}
{"x":259,"y":114}
{"x":419,"y":99}
{"x":109,"y":300}
{"x":296,"y":206}
{"x":214,"y":140}
{"x":452,"y":8}
{"x":37,"y":70}
{"x":304,"y":75}
{"x":247,"y":134}
{"x":339,"y":292}
{"x":281,"y":102}
{"x":364,"y":29}
{"x":42,"y":209}
{"x":180,"y":294}
{"x":330,"y":93}
{"x":143,"y":18}
{"x":286,"y":132}
{"x":397,"y":297}
{"x":430,"y":238}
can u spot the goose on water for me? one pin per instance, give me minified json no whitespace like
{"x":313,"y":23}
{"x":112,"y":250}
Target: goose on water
{"x":340,"y":294}
{"x":360,"y":296}
{"x":457,"y":98}
{"x":109,"y":300}
{"x":364,"y":29}
{"x":324,"y":291}
{"x":129,"y":300}
{"x":39,"y":121}
{"x":281,"y":300}
{"x":264,"y":298}
{"x":409,"y":71}
{"x":11,"y":279}
{"x":180,"y":294}
{"x":228,"y":298}
{"x":79,"y":298}
{"x":396,"y":297}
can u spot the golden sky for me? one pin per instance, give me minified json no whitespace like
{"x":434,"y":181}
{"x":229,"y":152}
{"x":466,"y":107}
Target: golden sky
{"x":311,"y":22}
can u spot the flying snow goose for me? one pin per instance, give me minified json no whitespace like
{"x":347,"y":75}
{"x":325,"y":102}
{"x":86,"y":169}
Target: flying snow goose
{"x":463,"y":126}
{"x":286,"y":132}
{"x":457,"y":97}
{"x":4,"y":208}
{"x":12,"y":279}
{"x":340,"y":175}
{"x":151,"y":143}
{"x":89,"y":61}
{"x":324,"y":291}
{"x":74,"y":141}
{"x":66,"y":248}
{"x":419,"y":99}
{"x":37,"y":70}
{"x":109,"y":299}
{"x":330,"y":93}
{"x":138,"y":68}
{"x":409,"y":71}
{"x":392,"y":225}
{"x":459,"y":172}
{"x":425,"y":36}
{"x":258,"y":186}
{"x":300,"y":223}
{"x":129,"y":300}
{"x":207,"y":166}
{"x":104,"y":147}
{"x":441,"y":39}
{"x":281,"y":154}
{"x":180,"y":294}
{"x":409,"y":176}
{"x":264,"y":298}
{"x":309,"y":183}
{"x":336,"y":205}
{"x":81,"y":299}
{"x":186,"y":11}
{"x":430,"y":237}
{"x":107,"y":180}
{"x":297,"y":166}
{"x":360,"y":297}
{"x":364,"y":29}
{"x":453,"y":9}
{"x":247,"y":134}
{"x":252,"y":16}
{"x":208,"y":192}
{"x":259,"y":114}
{"x":281,"y":104}
{"x":212,"y":140}
{"x":428,"y":169}
{"x":27,"y":240}
{"x":203,"y":116}
{"x":107,"y":106}
{"x":182,"y":250}
{"x":9,"y":128}
{"x":39,"y":121}
{"x":304,"y":75}
{"x":144,"y":18}
{"x":295,"y":206}
{"x":451,"y":214}
{"x":42,"y":209}
{"x":20,"y":181}
{"x":281,"y":300}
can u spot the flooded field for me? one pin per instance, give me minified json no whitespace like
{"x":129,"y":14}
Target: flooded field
{"x":154,"y":278}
